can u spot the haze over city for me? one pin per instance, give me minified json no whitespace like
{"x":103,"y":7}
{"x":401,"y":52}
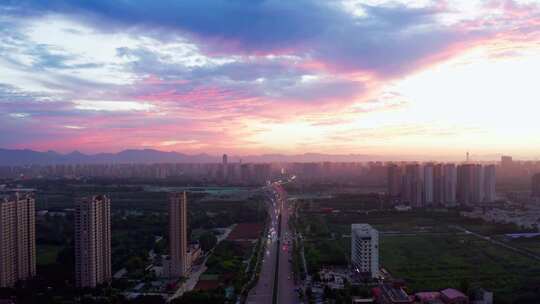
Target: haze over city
{"x":432,"y":79}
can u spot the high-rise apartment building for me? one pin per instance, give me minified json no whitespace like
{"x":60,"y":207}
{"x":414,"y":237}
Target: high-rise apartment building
{"x":438,"y":185}
{"x":178,"y":234}
{"x":395,"y":180}
{"x":490,"y":194}
{"x":442,"y":184}
{"x":412,"y":186}
{"x":536,"y":185}
{"x":92,"y":241}
{"x":478,"y":184}
{"x":365,"y":249}
{"x":465,"y":181}
{"x":450,"y":185}
{"x":428,"y":185}
{"x":17,"y":238}
{"x":225,"y":167}
{"x":245,"y":173}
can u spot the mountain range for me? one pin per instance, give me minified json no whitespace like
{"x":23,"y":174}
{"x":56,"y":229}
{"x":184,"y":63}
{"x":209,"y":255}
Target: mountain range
{"x":12,"y":157}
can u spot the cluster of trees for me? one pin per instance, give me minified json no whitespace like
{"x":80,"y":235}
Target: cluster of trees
{"x":133,"y":237}
{"x":227,"y":258}
{"x":207,"y":241}
{"x":324,"y":252}
{"x":208,"y":215}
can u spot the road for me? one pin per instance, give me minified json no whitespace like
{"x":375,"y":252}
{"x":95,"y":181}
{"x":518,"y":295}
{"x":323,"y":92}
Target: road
{"x":263,"y":291}
{"x":501,"y":244}
{"x":278,"y":254}
{"x":285,"y":286}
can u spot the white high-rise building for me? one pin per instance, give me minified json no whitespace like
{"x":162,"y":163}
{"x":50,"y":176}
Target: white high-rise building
{"x":365,"y":249}
{"x":489,"y":184}
{"x":428,"y":185}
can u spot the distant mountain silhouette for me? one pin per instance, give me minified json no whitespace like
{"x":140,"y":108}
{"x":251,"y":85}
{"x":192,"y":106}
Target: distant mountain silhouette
{"x":11,"y":157}
{"x":30,"y":157}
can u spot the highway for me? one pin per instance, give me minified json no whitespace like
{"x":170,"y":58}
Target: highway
{"x":263,"y":291}
{"x":285,"y":285}
{"x":276,"y":283}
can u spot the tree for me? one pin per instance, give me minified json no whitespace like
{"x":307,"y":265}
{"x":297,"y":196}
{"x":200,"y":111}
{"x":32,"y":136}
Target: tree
{"x":207,"y":241}
{"x":134,"y":263}
{"x":464,"y":285}
{"x":148,"y":299}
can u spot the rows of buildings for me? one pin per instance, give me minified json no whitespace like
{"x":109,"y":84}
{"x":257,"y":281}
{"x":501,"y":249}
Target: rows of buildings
{"x":236,"y":173}
{"x":372,"y":173}
{"x":431,"y":184}
{"x":92,"y":239}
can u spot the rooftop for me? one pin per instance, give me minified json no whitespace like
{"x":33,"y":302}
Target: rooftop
{"x":397,"y":295}
{"x":451,"y":293}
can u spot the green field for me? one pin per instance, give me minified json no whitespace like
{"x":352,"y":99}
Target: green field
{"x":437,"y":262}
{"x":426,"y":250}
{"x":530,"y":244}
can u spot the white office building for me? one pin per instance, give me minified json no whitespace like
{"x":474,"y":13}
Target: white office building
{"x":365,"y":249}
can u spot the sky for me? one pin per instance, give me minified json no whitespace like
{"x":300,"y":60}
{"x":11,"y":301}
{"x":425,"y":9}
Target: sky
{"x":376,"y":77}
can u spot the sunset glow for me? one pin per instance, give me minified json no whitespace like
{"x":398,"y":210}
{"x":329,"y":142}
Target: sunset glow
{"x":427,"y":78}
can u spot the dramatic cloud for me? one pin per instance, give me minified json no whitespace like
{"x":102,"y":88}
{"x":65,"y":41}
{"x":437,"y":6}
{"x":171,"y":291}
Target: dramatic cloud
{"x":256,"y":76}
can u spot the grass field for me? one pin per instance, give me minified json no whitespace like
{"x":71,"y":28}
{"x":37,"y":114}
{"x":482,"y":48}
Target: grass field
{"x":426,"y":251}
{"x":530,"y":244}
{"x":436,"y":262}
{"x":46,"y":254}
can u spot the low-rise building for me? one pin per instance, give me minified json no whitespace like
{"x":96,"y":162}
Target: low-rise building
{"x":427,"y":297}
{"x":391,"y":294}
{"x":482,"y":296}
{"x":453,"y":296}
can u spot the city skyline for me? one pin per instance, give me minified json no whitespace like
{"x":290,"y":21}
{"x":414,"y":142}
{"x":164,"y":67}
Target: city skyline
{"x":363,"y":77}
